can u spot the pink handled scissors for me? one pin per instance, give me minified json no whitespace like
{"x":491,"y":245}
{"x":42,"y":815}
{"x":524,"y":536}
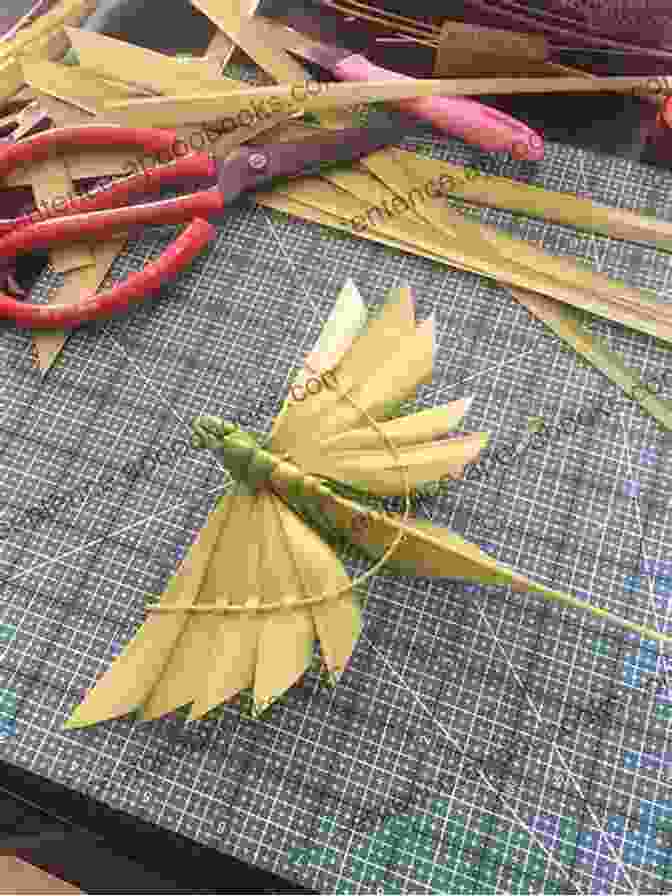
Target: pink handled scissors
{"x":479,"y":125}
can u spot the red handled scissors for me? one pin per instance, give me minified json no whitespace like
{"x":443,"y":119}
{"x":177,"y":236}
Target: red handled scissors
{"x":104,"y":213}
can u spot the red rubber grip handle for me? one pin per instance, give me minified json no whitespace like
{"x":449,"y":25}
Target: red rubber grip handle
{"x":75,"y":226}
{"x":107,"y":223}
{"x":196,"y":165}
{"x":42,"y":145}
{"x":174,"y":259}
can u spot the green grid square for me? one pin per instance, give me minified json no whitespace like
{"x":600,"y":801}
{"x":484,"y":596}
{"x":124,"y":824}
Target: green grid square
{"x":393,"y":888}
{"x":443,"y":877}
{"x":381,"y":853}
{"x":487,"y":874}
{"x":360,"y":869}
{"x":601,"y":647}
{"x":399,"y":826}
{"x":568,"y":829}
{"x":8,"y":703}
{"x":424,"y":825}
{"x":664,"y":872}
{"x":454,"y":826}
{"x":328,"y":825}
{"x":501,"y":852}
{"x":425,"y":850}
{"x":451,"y":854}
{"x":472,"y":840}
{"x":535,"y":864}
{"x":464,"y":883}
{"x":566,"y":853}
{"x":424,"y":870}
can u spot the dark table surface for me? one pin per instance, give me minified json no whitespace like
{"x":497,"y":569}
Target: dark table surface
{"x":104,"y":850}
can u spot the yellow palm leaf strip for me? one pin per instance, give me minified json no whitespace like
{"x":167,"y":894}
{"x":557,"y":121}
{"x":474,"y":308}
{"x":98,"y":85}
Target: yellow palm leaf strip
{"x":337,"y":617}
{"x":234,"y":577}
{"x":264,"y":42}
{"x":396,"y":319}
{"x":131,"y":678}
{"x":397,"y":173}
{"x":169,"y":76}
{"x":565,"y":324}
{"x":436,"y":552}
{"x":334,"y":193}
{"x":377,"y":195}
{"x":336,"y":620}
{"x":13,"y":118}
{"x":119,"y":60}
{"x":54,"y":20}
{"x":11,"y":80}
{"x":512,"y":261}
{"x":48,"y":343}
{"x":51,"y":180}
{"x":261,"y":46}
{"x":422,"y":426}
{"x":337,"y":213}
{"x":430,"y":551}
{"x":372,"y":198}
{"x":378,"y":341}
{"x":638,"y":308}
{"x":394,"y":21}
{"x":222,"y":45}
{"x":315,"y":214}
{"x":286,"y":636}
{"x":167,"y":112}
{"x":371,"y":389}
{"x":375,"y":470}
{"x":346,"y":321}
{"x":538,"y":202}
{"x":51,"y":44}
{"x":186,"y":671}
{"x":154,"y":71}
{"x":324,"y":203}
{"x":85,"y":90}
{"x":327,"y":204}
{"x":392,"y":328}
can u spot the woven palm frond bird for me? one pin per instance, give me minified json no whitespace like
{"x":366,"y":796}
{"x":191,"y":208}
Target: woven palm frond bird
{"x":264,"y":579}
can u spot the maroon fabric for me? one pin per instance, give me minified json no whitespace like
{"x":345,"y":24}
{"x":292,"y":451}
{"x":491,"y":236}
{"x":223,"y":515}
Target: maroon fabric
{"x":640,"y":29}
{"x":646,"y":22}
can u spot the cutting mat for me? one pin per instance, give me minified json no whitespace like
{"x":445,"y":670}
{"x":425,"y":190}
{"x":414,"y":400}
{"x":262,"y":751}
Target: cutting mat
{"x":481,"y":741}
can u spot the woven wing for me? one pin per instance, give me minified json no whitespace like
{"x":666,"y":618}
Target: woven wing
{"x":251,"y":571}
{"x":365,"y":370}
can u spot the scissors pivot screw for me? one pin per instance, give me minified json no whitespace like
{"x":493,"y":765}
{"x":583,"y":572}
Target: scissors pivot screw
{"x":258,"y":161}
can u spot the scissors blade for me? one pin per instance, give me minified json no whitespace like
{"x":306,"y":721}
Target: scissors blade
{"x":253,"y":167}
